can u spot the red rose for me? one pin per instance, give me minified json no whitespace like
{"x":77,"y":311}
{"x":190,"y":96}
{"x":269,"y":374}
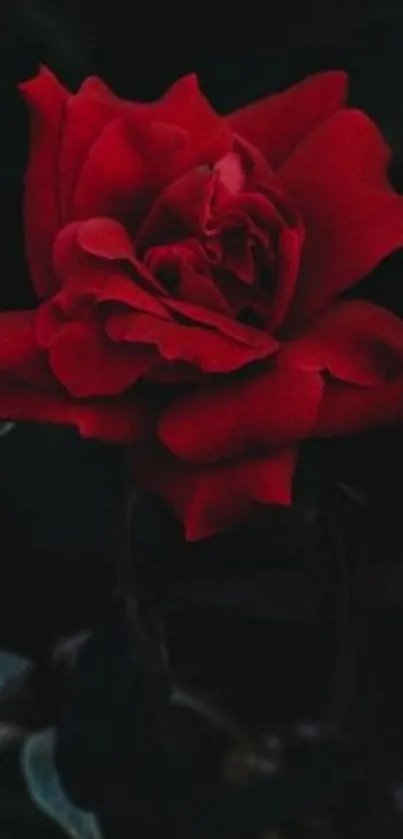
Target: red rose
{"x":169,"y":244}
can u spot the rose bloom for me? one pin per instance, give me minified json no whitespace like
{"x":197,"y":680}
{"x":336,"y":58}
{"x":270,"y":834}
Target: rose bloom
{"x":191,"y":272}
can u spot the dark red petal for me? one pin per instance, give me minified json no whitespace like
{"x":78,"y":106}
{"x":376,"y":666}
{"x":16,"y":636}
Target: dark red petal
{"x":184,"y":270}
{"x":355,"y":341}
{"x":277,"y":124}
{"x":47,"y":100}
{"x":20,"y":355}
{"x":112,"y":174}
{"x":270,"y":410}
{"x":50,"y":320}
{"x":94,"y":88}
{"x":346,"y":409}
{"x":106,"y":238}
{"x":117,"y":421}
{"x":207,"y":349}
{"x":167,"y":152}
{"x":88,"y":364}
{"x":88,"y":254}
{"x":219,"y":497}
{"x":290,"y":244}
{"x":247,"y":335}
{"x":87,"y":114}
{"x":184,"y":105}
{"x":352,"y":216}
{"x":182,"y":210}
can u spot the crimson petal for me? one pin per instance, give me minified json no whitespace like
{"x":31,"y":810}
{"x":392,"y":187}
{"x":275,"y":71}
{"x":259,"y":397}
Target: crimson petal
{"x":270,"y":410}
{"x":112,"y":174}
{"x":355,"y":341}
{"x":184,"y":105}
{"x":87,"y":113}
{"x":277,"y":124}
{"x":247,"y":335}
{"x":217,"y":498}
{"x":88,"y":364}
{"x":346,"y":409}
{"x":20,"y":355}
{"x":207,"y":349}
{"x":120,"y":421}
{"x":47,"y":100}
{"x":353,"y":218}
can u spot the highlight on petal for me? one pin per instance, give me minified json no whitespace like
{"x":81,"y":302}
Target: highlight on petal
{"x":279,"y":123}
{"x":210,"y":500}
{"x":47,"y":100}
{"x":356,"y":341}
{"x":106,"y":238}
{"x":272,"y":409}
{"x":117,"y":421}
{"x":346,"y":409}
{"x":353,"y":218}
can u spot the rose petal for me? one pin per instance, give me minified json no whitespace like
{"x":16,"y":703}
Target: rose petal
{"x":112,"y":174}
{"x":183,"y":209}
{"x":217,"y":498}
{"x":88,"y":364}
{"x":355,"y":341}
{"x":87,"y":114}
{"x":93,"y":88}
{"x":184,"y":105}
{"x":105,"y":238}
{"x":290,"y":245}
{"x":20,"y":355}
{"x":84,"y":252}
{"x":277,"y":124}
{"x":119,"y":421}
{"x":269,"y":410}
{"x":184,"y":271}
{"x":47,"y":100}
{"x":352,"y":216}
{"x":248,"y":335}
{"x":207,"y":349}
{"x":346,"y":409}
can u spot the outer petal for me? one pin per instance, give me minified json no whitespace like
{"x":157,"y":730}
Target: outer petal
{"x":209,"y":350}
{"x":88,"y":364}
{"x":20,"y":355}
{"x":184,"y":105}
{"x":87,"y":114}
{"x":273,"y":409}
{"x":353,"y":218}
{"x":112,"y":175}
{"x":113,"y":422}
{"x":47,"y":100}
{"x":355,"y":341}
{"x":129,"y":163}
{"x":346,"y":409}
{"x":219,"y":497}
{"x":279,"y":123}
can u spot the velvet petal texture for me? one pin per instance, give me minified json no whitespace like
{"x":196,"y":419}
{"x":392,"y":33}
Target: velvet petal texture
{"x":353,"y":218}
{"x":259,"y":414}
{"x":278,"y":124}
